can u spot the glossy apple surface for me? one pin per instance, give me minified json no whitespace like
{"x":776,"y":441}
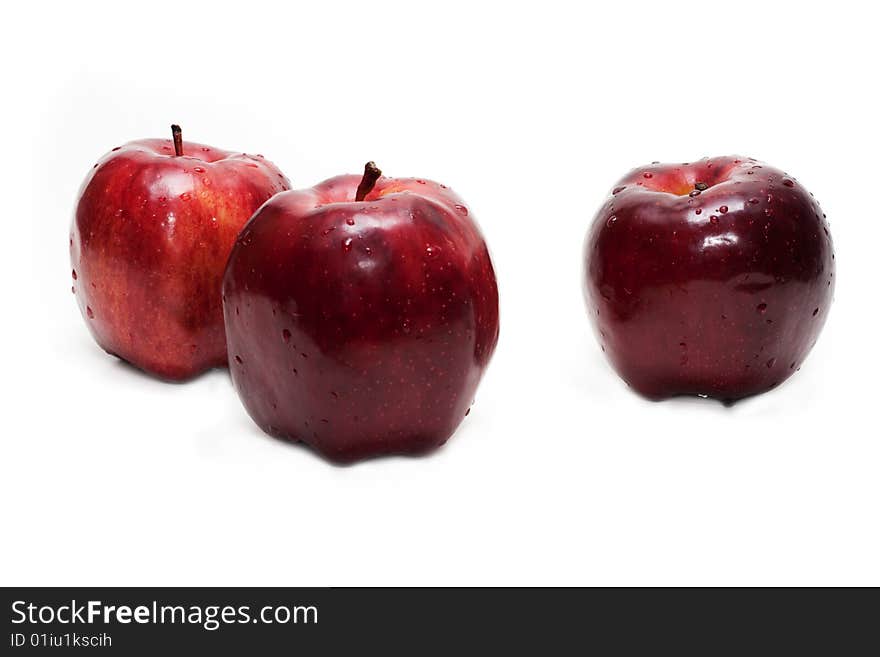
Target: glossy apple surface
{"x":712,"y":278}
{"x":361,"y":328}
{"x":149,"y":244}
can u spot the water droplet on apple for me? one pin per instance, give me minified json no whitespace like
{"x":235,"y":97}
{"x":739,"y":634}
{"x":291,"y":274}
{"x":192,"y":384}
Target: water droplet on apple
{"x":648,"y":174}
{"x":815,"y":312}
{"x":611,"y":220}
{"x":694,"y":192}
{"x":329,"y":230}
{"x":238,"y":360}
{"x":462,"y":210}
{"x":788,"y":182}
{"x":285,"y":334}
{"x":334,"y":395}
{"x":723,"y":209}
{"x":771,"y":363}
{"x":753,"y":201}
{"x":346,"y":245}
{"x":350,"y":221}
{"x":713,"y":219}
{"x":73,"y":274}
{"x":73,"y":289}
{"x":761,"y":308}
{"x":199,"y":169}
{"x":89,"y":312}
{"x":617,"y":190}
{"x":698,"y":211}
{"x":185,"y":196}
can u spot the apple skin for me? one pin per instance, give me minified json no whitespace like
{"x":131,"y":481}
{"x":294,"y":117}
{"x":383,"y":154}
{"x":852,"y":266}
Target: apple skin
{"x":149,"y":244}
{"x":719,"y":293}
{"x":361,"y":328}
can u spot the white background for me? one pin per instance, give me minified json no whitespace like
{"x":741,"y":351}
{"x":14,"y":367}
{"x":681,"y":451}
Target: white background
{"x":531,"y":111}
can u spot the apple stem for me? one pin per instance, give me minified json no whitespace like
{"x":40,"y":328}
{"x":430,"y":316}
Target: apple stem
{"x":177,"y":134}
{"x":371,"y":175}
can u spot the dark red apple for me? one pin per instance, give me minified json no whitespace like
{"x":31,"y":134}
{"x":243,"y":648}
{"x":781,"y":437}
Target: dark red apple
{"x":712,"y":278}
{"x":360,"y":315}
{"x":154,"y":226}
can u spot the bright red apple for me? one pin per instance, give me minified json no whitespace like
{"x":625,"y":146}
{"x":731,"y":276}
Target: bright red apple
{"x":360,"y":315}
{"x":712,"y":278}
{"x":154,"y":226}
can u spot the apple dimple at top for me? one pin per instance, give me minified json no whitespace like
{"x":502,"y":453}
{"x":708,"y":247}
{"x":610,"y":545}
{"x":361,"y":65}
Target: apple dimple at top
{"x":689,"y":179}
{"x":191,"y":150}
{"x":710,"y":278}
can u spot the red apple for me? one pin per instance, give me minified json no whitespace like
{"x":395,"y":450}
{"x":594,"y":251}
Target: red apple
{"x":360,"y":315}
{"x":154,"y":226}
{"x":712,"y":278}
